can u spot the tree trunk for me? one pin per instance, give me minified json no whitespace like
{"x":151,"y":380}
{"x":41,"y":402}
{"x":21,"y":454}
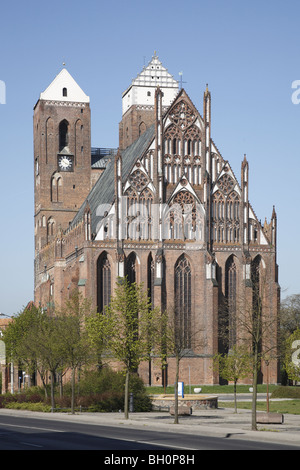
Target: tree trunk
{"x":126,"y":394}
{"x":254,"y":396}
{"x":44,"y":385}
{"x":73,"y":390}
{"x":52,"y":392}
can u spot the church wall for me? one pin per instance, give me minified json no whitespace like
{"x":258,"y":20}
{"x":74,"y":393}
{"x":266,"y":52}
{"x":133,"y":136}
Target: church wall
{"x":131,"y":126}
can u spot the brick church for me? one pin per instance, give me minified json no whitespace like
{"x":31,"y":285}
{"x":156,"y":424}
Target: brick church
{"x":165,"y":209}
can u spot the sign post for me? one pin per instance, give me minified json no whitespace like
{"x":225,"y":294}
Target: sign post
{"x":181,"y":389}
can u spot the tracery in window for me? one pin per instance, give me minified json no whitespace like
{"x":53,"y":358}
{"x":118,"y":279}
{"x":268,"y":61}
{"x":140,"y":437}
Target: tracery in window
{"x":183,"y":301}
{"x":226,"y":183}
{"x":172,"y":136}
{"x":182,"y":115}
{"x":145,"y":217}
{"x":231,"y":298}
{"x":226,"y":217}
{"x":138,"y":180}
{"x":182,"y":154}
{"x":181,"y":216}
{"x":192,"y":141}
{"x":103,"y":282}
{"x":139,"y":221}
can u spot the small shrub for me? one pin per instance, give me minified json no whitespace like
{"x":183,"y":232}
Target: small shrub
{"x":62,"y":402}
{"x":106,"y":387}
{"x":103,"y":402}
{"x":29,"y":406}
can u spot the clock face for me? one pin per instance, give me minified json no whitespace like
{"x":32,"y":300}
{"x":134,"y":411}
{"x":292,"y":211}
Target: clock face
{"x":65,"y":162}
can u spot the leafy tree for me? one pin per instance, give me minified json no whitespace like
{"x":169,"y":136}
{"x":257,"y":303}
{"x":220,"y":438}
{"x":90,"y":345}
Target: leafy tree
{"x":235,"y":365}
{"x":20,"y":338}
{"x":291,"y":357}
{"x":123,"y":330}
{"x":75,"y":344}
{"x":290,"y":314}
{"x":49,"y":343}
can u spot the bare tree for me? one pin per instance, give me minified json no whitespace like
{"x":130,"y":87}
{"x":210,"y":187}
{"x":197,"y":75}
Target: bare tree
{"x":255,"y":326}
{"x":258,"y":328}
{"x":175,"y":340}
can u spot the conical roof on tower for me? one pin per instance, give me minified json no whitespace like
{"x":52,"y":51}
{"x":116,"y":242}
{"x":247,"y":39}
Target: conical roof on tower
{"x":64,"y":88}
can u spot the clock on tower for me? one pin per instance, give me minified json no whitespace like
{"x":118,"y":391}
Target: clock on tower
{"x":65,"y":162}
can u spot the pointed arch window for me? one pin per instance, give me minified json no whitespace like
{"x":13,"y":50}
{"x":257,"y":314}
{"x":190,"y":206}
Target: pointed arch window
{"x":151,"y":280}
{"x":182,"y":216}
{"x":142,"y":128}
{"x":50,"y":229}
{"x":131,"y":268}
{"x":139,"y":213}
{"x":145,"y":225}
{"x":183,"y":301}
{"x":103,"y":282}
{"x":56,"y":188}
{"x":231,"y":298}
{"x":256,"y":267}
{"x":226,"y":217}
{"x":87,"y":225}
{"x":131,"y":212}
{"x":63,"y":134}
{"x":255,"y":279}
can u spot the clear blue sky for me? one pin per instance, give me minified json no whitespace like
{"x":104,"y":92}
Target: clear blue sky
{"x":247,"y":51}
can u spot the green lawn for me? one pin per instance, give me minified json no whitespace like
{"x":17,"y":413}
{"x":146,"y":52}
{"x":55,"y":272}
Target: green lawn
{"x":283,"y":407}
{"x":211,"y":389}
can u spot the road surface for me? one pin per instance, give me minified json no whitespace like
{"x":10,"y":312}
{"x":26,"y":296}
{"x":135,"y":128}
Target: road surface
{"x":26,"y":433}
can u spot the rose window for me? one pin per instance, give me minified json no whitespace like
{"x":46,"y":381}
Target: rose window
{"x":138,"y":180}
{"x":226,"y":184}
{"x":182,"y":115}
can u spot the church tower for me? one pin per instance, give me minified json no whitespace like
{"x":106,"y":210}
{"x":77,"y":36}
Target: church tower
{"x":139,"y":98}
{"x":62,"y":156}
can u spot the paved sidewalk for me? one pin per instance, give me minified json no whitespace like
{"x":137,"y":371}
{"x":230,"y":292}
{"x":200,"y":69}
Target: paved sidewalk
{"x":221,"y":422}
